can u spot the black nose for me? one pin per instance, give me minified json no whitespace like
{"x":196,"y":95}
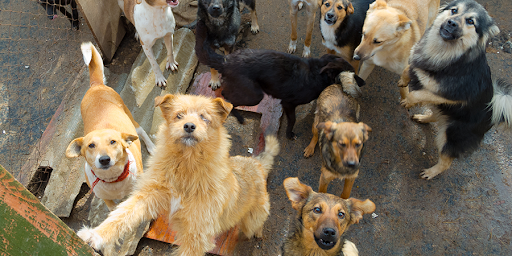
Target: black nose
{"x":452,"y":23}
{"x":104,"y":160}
{"x":189,"y":127}
{"x":330,"y":15}
{"x":216,"y":7}
{"x":329,"y":232}
{"x":351,"y":164}
{"x":357,"y":57}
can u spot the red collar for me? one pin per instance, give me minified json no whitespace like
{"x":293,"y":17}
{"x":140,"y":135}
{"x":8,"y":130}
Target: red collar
{"x":124,"y":175}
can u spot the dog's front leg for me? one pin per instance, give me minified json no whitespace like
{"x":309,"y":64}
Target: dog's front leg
{"x":195,"y":244}
{"x":311,"y":10}
{"x":171,"y":62}
{"x":293,"y":37}
{"x":290,"y":115}
{"x":147,"y":46}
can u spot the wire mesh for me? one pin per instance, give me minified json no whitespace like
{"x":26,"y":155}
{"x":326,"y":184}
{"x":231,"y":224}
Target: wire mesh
{"x":39,"y":59}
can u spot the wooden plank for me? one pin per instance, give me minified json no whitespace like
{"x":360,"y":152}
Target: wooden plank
{"x":102,"y":17}
{"x":161,"y":230}
{"x":28,"y":228}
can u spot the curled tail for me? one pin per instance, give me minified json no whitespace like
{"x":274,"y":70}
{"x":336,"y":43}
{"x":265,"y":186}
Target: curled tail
{"x":92,"y":58}
{"x":350,"y":83}
{"x":501,"y":103}
{"x":271,"y":150}
{"x":204,"y":52}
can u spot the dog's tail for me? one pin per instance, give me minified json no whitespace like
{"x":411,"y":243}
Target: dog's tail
{"x":204,"y":52}
{"x":271,"y":150}
{"x":93,"y":59}
{"x":501,"y":103}
{"x":350,"y":83}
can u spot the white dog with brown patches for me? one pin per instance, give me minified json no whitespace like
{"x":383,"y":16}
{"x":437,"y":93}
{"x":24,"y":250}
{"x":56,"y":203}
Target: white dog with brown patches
{"x":110,"y":146}
{"x":153,"y":19}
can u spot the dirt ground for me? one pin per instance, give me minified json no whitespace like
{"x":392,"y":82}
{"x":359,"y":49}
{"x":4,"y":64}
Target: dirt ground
{"x":464,"y":211}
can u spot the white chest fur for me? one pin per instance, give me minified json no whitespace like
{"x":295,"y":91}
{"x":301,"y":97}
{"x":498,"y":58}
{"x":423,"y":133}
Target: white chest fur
{"x":153,"y":22}
{"x":329,"y":35}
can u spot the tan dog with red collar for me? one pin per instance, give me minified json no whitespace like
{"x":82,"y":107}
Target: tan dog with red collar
{"x":111,"y":149}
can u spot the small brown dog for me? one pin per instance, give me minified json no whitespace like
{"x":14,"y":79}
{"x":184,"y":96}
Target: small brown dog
{"x":321,"y":222}
{"x":341,"y":137}
{"x":311,"y":10}
{"x":110,"y":147}
{"x":192,"y":177}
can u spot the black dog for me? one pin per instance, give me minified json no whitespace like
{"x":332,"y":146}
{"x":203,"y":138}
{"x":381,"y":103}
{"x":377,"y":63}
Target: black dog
{"x":222,"y":18}
{"x":51,"y":7}
{"x":247,"y":74}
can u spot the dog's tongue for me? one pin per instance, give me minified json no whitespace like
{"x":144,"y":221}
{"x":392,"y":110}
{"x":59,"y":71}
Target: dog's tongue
{"x":172,"y":3}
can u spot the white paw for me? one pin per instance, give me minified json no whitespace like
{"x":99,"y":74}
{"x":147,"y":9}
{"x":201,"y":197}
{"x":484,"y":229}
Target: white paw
{"x":255,"y":28}
{"x":430,"y":173}
{"x":172,"y":65}
{"x":160,"y":80}
{"x":307,"y":52}
{"x":292,"y":46}
{"x":214,"y":84}
{"x":91,"y":238}
{"x":301,"y":4}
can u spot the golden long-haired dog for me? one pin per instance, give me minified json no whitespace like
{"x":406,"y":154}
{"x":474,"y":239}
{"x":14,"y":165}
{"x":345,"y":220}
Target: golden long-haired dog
{"x":193,"y":179}
{"x":321,"y":222}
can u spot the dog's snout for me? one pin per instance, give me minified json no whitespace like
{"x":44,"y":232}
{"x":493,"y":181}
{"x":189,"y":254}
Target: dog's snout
{"x":330,"y":15}
{"x":189,"y":127}
{"x":452,"y":23}
{"x":329,"y":232}
{"x":216,"y":7}
{"x":357,"y":57}
{"x":104,"y":160}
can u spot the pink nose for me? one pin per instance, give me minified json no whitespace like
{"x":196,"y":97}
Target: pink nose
{"x":54,"y":16}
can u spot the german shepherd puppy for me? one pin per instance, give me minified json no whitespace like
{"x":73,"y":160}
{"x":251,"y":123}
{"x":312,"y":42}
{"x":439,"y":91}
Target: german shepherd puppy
{"x":223,"y":18}
{"x":341,"y":136}
{"x":321,"y":222}
{"x":448,"y":71}
{"x":341,"y":24}
{"x":248,"y":74}
{"x":52,"y":6}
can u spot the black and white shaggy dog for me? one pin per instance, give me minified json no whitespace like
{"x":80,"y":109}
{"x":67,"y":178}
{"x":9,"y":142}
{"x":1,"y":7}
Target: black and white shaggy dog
{"x":249,"y":73}
{"x":448,"y":70}
{"x":222,"y":18}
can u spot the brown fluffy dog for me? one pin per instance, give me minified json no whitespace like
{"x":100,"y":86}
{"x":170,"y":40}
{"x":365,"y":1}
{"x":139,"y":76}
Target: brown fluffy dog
{"x":341,"y":137}
{"x":192,"y":177}
{"x":321,"y":221}
{"x":390,"y":30}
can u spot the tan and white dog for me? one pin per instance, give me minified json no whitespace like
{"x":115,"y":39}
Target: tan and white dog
{"x":311,"y":10}
{"x":153,"y":19}
{"x":390,"y":30}
{"x":110,"y":147}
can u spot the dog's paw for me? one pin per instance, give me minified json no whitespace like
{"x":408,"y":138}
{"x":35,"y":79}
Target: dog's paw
{"x":309,"y":151}
{"x":292,"y":46}
{"x":255,"y":28}
{"x":349,"y":249}
{"x":301,"y":4}
{"x":306,"y":53}
{"x":422,"y":119}
{"x":291,"y":136}
{"x":160,"y":81}
{"x":406,"y":103}
{"x":172,"y":65}
{"x":214,"y":84}
{"x":91,"y":237}
{"x":430,"y":173}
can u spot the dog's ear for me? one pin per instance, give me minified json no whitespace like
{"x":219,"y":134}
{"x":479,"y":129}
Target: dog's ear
{"x":350,"y":9}
{"x":296,"y":192}
{"x":223,"y":107}
{"x":128,"y":139}
{"x":404,"y":23}
{"x":493,"y":31}
{"x":365,"y":128}
{"x":164,"y":102}
{"x":360,"y":82}
{"x":379,"y":4}
{"x":328,"y":127}
{"x":75,"y":147}
{"x":358,"y":208}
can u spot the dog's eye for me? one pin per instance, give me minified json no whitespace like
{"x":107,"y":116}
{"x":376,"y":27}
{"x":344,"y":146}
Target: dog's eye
{"x":358,"y":145}
{"x":342,"y":144}
{"x":340,"y":7}
{"x":454,"y":11}
{"x":92,"y":145}
{"x":203,"y":118}
{"x":327,"y":4}
{"x":179,"y":116}
{"x":375,"y":41}
{"x":112,"y":142}
{"x":317,"y":210}
{"x":341,"y":215}
{"x":470,"y":21}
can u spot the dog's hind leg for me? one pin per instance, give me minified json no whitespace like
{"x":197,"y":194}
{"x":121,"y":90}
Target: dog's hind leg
{"x":310,"y":149}
{"x":251,"y":5}
{"x":293,"y":17}
{"x":160,"y":80}
{"x":311,"y":10}
{"x":289,"y":110}
{"x":171,"y":62}
{"x":445,"y":160}
{"x":252,"y":224}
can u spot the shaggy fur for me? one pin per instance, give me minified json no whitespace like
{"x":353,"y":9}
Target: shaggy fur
{"x":341,"y":136}
{"x":311,"y":10}
{"x":449,"y":72}
{"x":341,"y":24}
{"x":322,"y":219}
{"x":390,"y":30}
{"x":222,"y":19}
{"x":248,"y":74}
{"x":193,"y":179}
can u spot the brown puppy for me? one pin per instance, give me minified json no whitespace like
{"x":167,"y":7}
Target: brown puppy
{"x":341,"y":137}
{"x":321,"y":222}
{"x":192,"y":177}
{"x":110,"y":147}
{"x":311,"y":9}
{"x":390,"y":30}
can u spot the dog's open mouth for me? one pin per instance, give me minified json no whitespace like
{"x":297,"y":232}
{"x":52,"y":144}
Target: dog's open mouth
{"x":329,"y":22}
{"x":325,"y":244}
{"x":172,"y":3}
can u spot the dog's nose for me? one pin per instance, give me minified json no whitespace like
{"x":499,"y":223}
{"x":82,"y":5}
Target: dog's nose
{"x":351,"y":164}
{"x":104,"y":160}
{"x":452,"y":23}
{"x":216,"y":7}
{"x":189,"y":127}
{"x":330,"y":15}
{"x":357,"y":57}
{"x":329,"y":232}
